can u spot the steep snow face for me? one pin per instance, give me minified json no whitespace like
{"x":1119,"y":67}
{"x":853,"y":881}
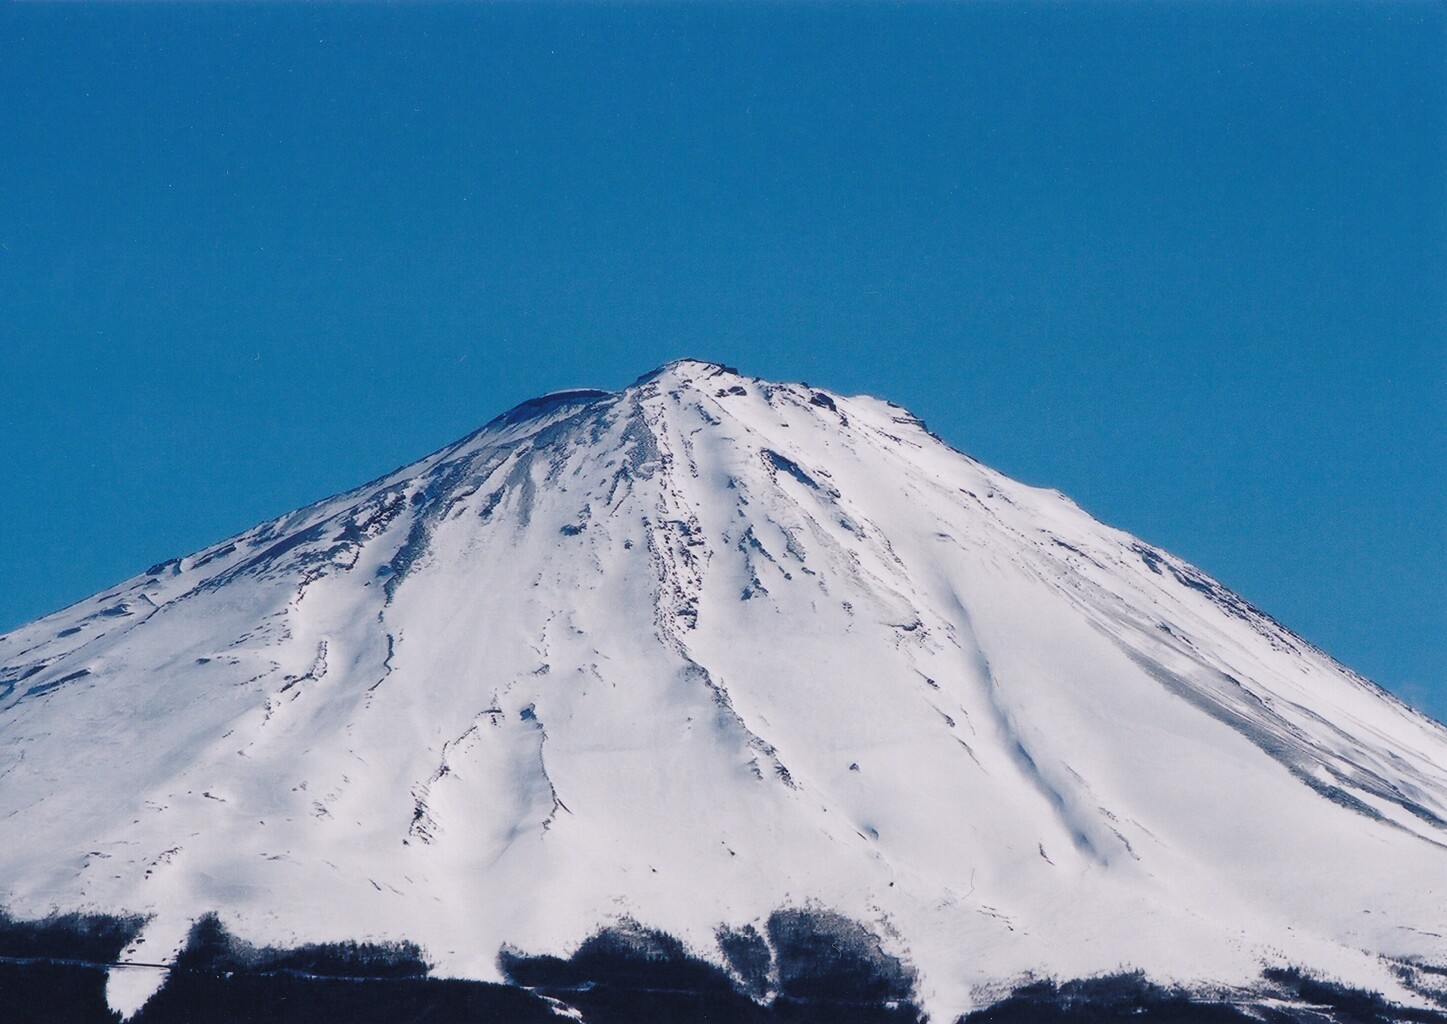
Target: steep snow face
{"x":696,"y":651}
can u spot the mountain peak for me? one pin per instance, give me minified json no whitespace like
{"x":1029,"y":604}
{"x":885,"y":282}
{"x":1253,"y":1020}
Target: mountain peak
{"x":688,"y":369}
{"x":675,"y":374}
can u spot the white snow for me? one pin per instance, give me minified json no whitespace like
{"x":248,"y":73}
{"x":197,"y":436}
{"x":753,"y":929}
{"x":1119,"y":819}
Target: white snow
{"x":695,"y":651}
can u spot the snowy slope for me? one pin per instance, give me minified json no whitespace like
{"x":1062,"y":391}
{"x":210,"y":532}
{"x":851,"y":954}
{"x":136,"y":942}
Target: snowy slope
{"x":695,"y":651}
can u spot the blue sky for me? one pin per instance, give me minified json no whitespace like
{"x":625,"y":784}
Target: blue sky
{"x":1184,"y":262}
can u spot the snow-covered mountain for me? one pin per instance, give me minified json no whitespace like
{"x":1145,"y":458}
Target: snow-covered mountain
{"x":696,"y":654}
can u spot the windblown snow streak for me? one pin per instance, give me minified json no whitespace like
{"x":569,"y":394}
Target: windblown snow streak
{"x":700,"y":665}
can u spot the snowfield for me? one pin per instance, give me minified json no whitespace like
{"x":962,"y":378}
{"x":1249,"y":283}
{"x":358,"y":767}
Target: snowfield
{"x":698,"y":651}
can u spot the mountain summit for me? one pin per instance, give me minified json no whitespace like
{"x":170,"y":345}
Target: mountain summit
{"x":704,"y":666}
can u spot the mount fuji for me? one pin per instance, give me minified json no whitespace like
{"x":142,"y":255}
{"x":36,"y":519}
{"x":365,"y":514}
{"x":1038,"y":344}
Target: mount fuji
{"x":708,"y":699}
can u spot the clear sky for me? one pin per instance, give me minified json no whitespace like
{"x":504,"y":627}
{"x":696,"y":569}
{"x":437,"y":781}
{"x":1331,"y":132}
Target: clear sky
{"x":1184,"y":262}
